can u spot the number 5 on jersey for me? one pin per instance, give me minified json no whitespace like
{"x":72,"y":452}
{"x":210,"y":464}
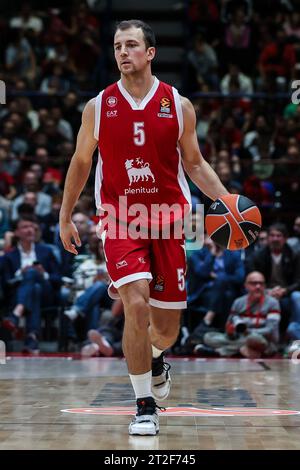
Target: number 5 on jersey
{"x":138,"y":133}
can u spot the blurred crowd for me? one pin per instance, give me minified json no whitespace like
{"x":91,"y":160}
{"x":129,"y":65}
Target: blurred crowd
{"x":245,"y":303}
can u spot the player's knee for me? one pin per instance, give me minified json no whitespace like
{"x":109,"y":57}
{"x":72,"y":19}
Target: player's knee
{"x":137,"y":314}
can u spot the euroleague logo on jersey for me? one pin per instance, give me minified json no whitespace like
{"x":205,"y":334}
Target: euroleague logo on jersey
{"x":111,"y":101}
{"x":165,"y":108}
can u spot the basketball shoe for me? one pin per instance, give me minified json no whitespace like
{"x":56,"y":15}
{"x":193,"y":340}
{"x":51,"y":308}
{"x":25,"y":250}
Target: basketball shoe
{"x":145,"y":422}
{"x":161,"y":380}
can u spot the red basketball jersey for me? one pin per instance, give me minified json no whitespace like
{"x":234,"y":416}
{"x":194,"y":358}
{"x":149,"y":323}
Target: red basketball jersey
{"x":139,"y":155}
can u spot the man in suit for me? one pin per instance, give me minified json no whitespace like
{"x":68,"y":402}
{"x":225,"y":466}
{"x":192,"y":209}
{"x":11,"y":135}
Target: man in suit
{"x":33,"y":272}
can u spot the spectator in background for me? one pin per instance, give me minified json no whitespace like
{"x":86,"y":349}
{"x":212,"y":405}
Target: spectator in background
{"x":4,"y":216}
{"x":234,"y":73}
{"x":281,"y":269}
{"x":90,"y":284}
{"x":258,"y":139}
{"x":229,"y":8}
{"x":55,"y":83}
{"x":292,"y":26}
{"x":252,"y":328}
{"x":31,"y":184}
{"x":27,"y":20}
{"x":63,"y":126}
{"x":19,"y":145}
{"x":7,"y":188}
{"x":49,"y":222}
{"x":70,"y":111}
{"x":237,"y":40}
{"x":276,"y":63}
{"x":32,"y":273}
{"x":215,"y":277}
{"x":20,"y":59}
{"x":203,"y":63}
{"x":224,"y":172}
{"x":261,"y":242}
{"x":10,"y":164}
{"x":107,"y":339}
{"x":294,"y":242}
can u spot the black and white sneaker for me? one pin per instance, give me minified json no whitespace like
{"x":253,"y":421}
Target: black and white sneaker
{"x":161,"y":380}
{"x":145,"y":422}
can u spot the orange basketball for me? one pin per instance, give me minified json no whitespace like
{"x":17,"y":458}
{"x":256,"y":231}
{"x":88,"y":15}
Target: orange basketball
{"x":233,"y":222}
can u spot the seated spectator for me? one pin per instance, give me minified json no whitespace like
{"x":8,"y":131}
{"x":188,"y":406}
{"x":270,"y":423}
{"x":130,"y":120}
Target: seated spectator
{"x":237,"y":39}
{"x":7,"y":187}
{"x":292,"y":26}
{"x":258,"y":139}
{"x":252,"y":328}
{"x":4,"y":216}
{"x":277,"y":60}
{"x":49,"y":222}
{"x":294,"y":242}
{"x":261,"y":242}
{"x":27,"y":20}
{"x":281,"y":269}
{"x":20,"y":59}
{"x":244,"y":82}
{"x":203,"y":63}
{"x":32,"y":272}
{"x":224,"y":172}
{"x":215,"y":277}
{"x":107,"y":339}
{"x":31,"y":184}
{"x":54,"y":83}
{"x":18,"y":145}
{"x":90,"y":284}
{"x":63,"y":126}
{"x":11,"y":164}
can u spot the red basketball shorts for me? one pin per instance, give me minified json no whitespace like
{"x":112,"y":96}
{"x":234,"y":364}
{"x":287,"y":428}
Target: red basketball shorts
{"x":162,"y":262}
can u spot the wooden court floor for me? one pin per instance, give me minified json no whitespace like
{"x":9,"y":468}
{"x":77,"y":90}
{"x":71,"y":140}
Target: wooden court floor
{"x":217,"y":403}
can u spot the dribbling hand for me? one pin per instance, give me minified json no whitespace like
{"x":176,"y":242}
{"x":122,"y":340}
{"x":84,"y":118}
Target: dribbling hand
{"x":69,"y":232}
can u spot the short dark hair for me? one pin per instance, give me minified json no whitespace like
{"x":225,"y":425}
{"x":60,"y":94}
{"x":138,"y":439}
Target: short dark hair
{"x":149,"y":36}
{"x":280,"y":228}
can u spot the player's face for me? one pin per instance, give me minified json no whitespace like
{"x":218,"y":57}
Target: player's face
{"x":131,"y":52}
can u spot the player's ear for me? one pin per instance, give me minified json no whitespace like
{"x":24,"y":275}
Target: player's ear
{"x":151,"y":53}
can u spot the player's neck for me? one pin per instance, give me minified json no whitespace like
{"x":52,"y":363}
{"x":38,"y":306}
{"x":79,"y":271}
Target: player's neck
{"x":138,"y":87}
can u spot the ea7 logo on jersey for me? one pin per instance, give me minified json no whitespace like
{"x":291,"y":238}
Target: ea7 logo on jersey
{"x":112,"y":113}
{"x":111,"y":101}
{"x":165,"y":108}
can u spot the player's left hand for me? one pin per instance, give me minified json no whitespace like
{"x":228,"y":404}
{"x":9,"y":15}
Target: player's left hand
{"x":69,"y":232}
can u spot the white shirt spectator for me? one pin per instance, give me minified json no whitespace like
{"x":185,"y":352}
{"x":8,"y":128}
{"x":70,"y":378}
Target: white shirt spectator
{"x":33,"y":22}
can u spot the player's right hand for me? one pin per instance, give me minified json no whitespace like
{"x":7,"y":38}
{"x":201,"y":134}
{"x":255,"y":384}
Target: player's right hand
{"x":68,"y":233}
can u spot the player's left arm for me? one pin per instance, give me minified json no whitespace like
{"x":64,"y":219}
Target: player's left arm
{"x":194,"y":164}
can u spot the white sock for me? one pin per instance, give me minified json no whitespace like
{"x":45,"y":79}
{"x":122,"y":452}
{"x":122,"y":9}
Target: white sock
{"x":142,"y":384}
{"x":156,"y":352}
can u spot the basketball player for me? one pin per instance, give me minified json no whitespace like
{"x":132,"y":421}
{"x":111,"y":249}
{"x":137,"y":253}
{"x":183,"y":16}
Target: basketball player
{"x":144,"y":131}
